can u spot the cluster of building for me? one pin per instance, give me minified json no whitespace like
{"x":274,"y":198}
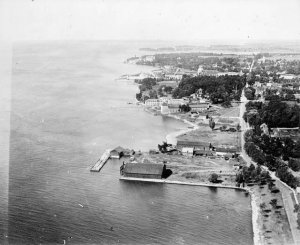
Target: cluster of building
{"x":215,"y":73}
{"x":282,"y":133}
{"x":198,"y":148}
{"x":169,"y":105}
{"x":278,"y":88}
{"x":172,"y":73}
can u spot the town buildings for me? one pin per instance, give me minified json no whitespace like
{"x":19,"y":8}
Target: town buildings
{"x":282,"y":133}
{"x":199,"y":107}
{"x":153,"y":103}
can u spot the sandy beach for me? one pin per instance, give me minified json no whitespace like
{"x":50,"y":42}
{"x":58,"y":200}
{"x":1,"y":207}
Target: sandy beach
{"x":172,"y":137}
{"x":257,"y":237}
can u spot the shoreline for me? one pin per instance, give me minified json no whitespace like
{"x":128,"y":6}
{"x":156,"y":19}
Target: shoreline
{"x":172,"y":137}
{"x":257,"y":238}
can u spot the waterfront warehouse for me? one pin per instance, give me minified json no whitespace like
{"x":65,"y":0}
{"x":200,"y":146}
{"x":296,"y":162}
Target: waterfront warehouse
{"x":143,"y":170}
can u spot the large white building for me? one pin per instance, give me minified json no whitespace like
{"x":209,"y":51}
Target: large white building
{"x":173,"y":108}
{"x":176,"y":102}
{"x":199,"y":107}
{"x":153,"y":102}
{"x":164,"y":108}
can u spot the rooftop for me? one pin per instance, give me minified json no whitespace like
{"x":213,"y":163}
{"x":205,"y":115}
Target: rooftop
{"x":144,"y":168}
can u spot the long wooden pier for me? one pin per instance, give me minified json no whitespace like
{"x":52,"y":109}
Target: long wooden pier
{"x":100,"y":163}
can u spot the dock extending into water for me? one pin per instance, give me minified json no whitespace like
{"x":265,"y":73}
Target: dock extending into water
{"x":100,"y":163}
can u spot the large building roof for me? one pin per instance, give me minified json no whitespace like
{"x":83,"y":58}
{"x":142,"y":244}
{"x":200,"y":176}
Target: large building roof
{"x":192,"y":143}
{"x":144,"y":168}
{"x":199,"y":105}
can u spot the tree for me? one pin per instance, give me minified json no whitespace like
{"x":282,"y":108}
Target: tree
{"x":184,"y":108}
{"x":273,"y":202}
{"x":213,"y":178}
{"x":138,"y":96}
{"x":152,"y":94}
{"x":212,"y":123}
{"x":262,"y":205}
{"x":271,"y":185}
{"x":238,"y":127}
{"x":239,"y":178}
{"x":249,"y":93}
{"x":248,"y":135}
{"x":168,"y":89}
{"x":286,"y":176}
{"x":294,"y":164}
{"x":296,"y":208}
{"x":226,"y":103}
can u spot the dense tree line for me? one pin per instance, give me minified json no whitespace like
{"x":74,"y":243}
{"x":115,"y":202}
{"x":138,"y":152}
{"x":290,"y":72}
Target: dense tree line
{"x":284,"y":95}
{"x":252,"y":174}
{"x":294,"y":164}
{"x":219,"y":89}
{"x":276,"y":113}
{"x":146,"y":84}
{"x":271,"y":152}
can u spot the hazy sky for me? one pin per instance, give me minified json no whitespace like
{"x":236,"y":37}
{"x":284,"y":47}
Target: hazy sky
{"x":150,"y":19}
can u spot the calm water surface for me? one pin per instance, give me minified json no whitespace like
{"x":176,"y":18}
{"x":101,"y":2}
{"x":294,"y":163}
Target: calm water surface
{"x":67,"y":109}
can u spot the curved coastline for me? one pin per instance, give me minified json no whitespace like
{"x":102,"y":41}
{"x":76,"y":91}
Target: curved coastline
{"x":171,"y":137}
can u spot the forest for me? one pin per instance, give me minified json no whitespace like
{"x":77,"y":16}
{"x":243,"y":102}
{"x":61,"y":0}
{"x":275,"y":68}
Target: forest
{"x":219,"y":89}
{"x":275,"y":113}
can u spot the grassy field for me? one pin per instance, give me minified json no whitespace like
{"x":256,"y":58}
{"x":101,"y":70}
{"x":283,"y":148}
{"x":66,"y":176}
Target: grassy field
{"x":215,"y":137}
{"x":195,"y":169}
{"x":233,"y":111}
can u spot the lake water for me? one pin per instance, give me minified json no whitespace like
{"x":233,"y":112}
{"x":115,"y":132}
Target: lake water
{"x":67,"y":108}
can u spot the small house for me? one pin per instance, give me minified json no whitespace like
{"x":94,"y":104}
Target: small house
{"x":188,"y":151}
{"x":204,"y":152}
{"x":117,"y":152}
{"x":223,"y":151}
{"x":199,"y":107}
{"x":143,"y":170}
{"x":188,"y":143}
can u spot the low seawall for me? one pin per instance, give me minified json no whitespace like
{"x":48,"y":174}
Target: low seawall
{"x":164,"y":181}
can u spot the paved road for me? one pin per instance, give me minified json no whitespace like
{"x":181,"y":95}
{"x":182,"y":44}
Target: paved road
{"x":289,"y":202}
{"x":286,"y":192}
{"x":244,"y":128}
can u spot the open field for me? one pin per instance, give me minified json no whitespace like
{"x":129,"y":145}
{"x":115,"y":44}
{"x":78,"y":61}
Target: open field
{"x":195,"y":169}
{"x":228,"y":112}
{"x":215,"y":137}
